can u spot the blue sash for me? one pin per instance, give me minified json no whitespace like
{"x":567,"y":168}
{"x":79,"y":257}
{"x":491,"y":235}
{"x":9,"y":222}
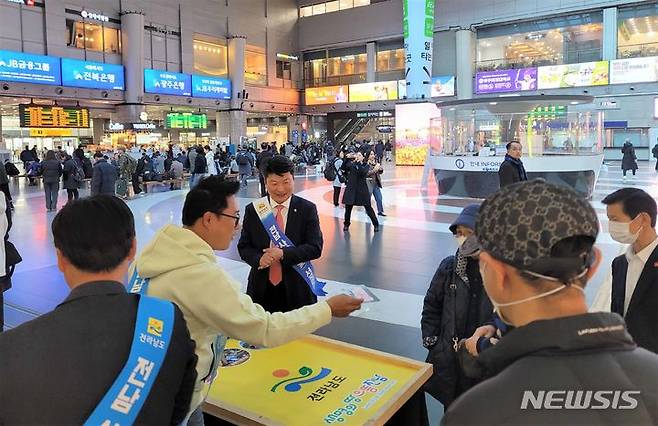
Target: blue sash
{"x":280,"y":240}
{"x":125,"y":399}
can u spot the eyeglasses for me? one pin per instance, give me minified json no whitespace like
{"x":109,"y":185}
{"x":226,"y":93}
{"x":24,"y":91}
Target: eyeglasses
{"x":237,"y":218}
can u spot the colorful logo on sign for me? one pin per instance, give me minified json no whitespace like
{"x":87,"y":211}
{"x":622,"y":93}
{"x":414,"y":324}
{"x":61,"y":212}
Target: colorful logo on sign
{"x":155,"y":327}
{"x":295,"y":384}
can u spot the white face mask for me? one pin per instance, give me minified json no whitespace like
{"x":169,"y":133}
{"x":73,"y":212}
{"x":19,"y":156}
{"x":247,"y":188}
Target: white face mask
{"x":460,"y":240}
{"x":621,"y":232}
{"x":497,"y":305}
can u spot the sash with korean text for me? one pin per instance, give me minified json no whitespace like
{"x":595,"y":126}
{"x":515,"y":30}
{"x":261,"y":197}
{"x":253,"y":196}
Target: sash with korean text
{"x":153,"y":329}
{"x":280,"y":240}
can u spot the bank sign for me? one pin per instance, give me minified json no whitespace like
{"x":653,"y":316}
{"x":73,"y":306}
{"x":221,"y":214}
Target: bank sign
{"x":210,"y":87}
{"x":92,"y":75}
{"x":167,"y":83}
{"x":26,"y":68}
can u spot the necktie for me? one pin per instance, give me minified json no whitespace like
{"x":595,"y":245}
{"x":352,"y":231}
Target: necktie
{"x":276,"y":274}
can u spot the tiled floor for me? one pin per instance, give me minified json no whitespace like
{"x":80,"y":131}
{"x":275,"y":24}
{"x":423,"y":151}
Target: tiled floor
{"x":397,"y":263}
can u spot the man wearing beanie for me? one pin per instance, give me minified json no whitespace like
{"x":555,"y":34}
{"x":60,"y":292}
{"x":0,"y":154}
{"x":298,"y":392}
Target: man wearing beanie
{"x":560,"y":365}
{"x":454,"y":308}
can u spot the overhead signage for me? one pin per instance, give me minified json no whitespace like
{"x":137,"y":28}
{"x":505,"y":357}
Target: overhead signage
{"x":519,"y":80}
{"x":441,"y":87}
{"x":418,"y":30}
{"x":95,"y":16}
{"x":635,"y":70}
{"x":287,"y":57}
{"x":144,"y":126}
{"x":45,"y":133}
{"x":186,"y":120}
{"x":574,"y":75}
{"x":27,"y":68}
{"x":374,"y":114}
{"x":23,"y":2}
{"x":607,"y":104}
{"x":167,"y":83}
{"x":385,"y":129}
{"x":326,"y":95}
{"x":116,"y":127}
{"x":92,"y":75}
{"x":548,"y":112}
{"x":211,"y":87}
{"x":367,"y":92}
{"x":31,"y":115}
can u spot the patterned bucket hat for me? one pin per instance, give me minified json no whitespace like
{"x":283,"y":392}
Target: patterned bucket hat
{"x":520,"y":225}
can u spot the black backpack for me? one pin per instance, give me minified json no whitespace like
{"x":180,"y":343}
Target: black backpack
{"x":11,"y":169}
{"x":330,"y":172}
{"x":243,"y":160}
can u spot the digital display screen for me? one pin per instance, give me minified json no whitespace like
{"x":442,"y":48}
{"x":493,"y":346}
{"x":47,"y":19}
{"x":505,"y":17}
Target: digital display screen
{"x":26,"y":68}
{"x":381,"y":91}
{"x":211,"y":87}
{"x":326,"y":95}
{"x":53,"y":116}
{"x":92,"y":75}
{"x":167,"y":83}
{"x":186,"y":120}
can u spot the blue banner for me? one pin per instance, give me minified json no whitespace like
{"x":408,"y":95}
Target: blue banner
{"x":26,"y":68}
{"x":279,"y":239}
{"x":418,"y":29}
{"x":210,"y":87}
{"x":92,"y":75}
{"x":125,"y":398}
{"x":167,"y":83}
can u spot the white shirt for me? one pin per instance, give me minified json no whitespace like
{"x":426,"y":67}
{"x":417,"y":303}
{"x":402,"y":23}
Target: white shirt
{"x":284,"y":211}
{"x":636,"y":262}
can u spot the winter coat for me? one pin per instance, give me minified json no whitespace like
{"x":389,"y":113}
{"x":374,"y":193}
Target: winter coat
{"x":51,"y":170}
{"x":192,"y":159}
{"x":446,"y":319}
{"x":356,"y":190}
{"x":69,"y":172}
{"x":210,"y":161}
{"x":103,"y":181}
{"x":629,"y":160}
{"x":245,"y":169}
{"x":200,"y":165}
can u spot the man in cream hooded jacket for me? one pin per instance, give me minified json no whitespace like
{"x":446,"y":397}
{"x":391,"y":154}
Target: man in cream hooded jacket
{"x":180,"y":266}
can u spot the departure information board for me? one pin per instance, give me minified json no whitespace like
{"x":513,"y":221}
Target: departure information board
{"x":53,"y":116}
{"x":186,"y":120}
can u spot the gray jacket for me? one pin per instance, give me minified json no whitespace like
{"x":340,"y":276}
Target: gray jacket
{"x":51,"y":170}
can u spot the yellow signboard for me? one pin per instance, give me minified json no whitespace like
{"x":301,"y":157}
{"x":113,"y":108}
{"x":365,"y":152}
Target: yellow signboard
{"x":44,"y":133}
{"x":312,"y":381}
{"x":367,"y":92}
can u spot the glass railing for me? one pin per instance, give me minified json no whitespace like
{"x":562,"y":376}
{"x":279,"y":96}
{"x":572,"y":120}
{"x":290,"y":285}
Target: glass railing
{"x":336,"y":80}
{"x":637,"y":50}
{"x":390,"y":75}
{"x":569,"y":57}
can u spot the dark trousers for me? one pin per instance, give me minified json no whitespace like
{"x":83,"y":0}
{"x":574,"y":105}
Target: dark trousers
{"x":657,"y":165}
{"x":5,"y":188}
{"x":73,"y":194}
{"x":369,"y":211}
{"x":337,"y":195}
{"x":263,"y":189}
{"x":135,"y":181}
{"x":2,"y":312}
{"x":52,"y":191}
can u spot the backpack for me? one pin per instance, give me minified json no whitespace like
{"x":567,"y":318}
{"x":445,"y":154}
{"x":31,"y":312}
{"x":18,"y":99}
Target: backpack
{"x":330,"y":172}
{"x":243,"y":160}
{"x":11,"y":169}
{"x":77,"y":173}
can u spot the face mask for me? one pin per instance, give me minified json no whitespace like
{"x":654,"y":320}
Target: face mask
{"x":621,"y":232}
{"x":497,"y":305}
{"x":460,"y":240}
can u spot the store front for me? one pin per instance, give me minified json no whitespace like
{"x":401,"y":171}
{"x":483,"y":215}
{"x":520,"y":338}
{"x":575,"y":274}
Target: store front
{"x":261,"y":129}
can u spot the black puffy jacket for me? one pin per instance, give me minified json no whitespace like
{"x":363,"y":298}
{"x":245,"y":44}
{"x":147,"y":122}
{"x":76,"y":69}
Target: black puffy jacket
{"x":446,"y":317}
{"x":578,"y":370}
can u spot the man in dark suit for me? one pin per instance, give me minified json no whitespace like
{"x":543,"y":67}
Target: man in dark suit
{"x":57,"y":368}
{"x":273,"y":283}
{"x":511,"y":170}
{"x":632,"y":214}
{"x":104,"y":178}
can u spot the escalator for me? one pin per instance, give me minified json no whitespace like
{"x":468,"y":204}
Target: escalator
{"x":352,"y":128}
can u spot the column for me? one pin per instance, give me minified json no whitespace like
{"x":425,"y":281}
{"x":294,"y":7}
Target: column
{"x":371,"y":53}
{"x":609,"y":34}
{"x":132,"y":41}
{"x":98,"y":130}
{"x":2,"y":140}
{"x":465,"y":41}
{"x":236,"y":49}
